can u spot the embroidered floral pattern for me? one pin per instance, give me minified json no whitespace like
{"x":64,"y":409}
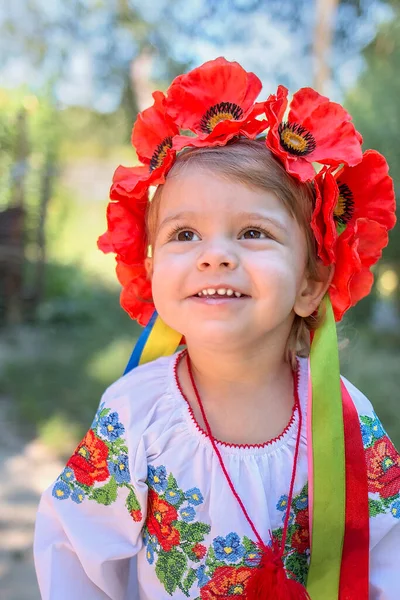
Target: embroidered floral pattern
{"x":101,"y":457}
{"x":383,"y":468}
{"x":173,"y":539}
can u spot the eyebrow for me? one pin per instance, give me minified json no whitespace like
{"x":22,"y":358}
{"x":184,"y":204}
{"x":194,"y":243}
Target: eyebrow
{"x":242,"y":215}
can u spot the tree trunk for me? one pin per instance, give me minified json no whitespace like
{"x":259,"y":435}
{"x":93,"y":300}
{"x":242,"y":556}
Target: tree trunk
{"x":323,"y":37}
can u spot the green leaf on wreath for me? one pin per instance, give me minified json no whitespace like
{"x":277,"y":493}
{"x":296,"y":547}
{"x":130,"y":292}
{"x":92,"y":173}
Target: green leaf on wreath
{"x":106,"y":494}
{"x":170,"y":568}
{"x":104,"y":412}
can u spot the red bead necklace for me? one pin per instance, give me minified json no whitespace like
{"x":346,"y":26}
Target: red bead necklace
{"x":269,"y":581}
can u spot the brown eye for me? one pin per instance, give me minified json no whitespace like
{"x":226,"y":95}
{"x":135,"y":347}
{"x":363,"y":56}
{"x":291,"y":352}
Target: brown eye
{"x":185,"y":236}
{"x":253,"y":234}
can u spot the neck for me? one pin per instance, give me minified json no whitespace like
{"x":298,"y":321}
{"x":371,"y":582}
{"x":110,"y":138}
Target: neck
{"x":260,"y":374}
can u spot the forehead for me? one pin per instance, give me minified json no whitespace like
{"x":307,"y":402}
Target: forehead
{"x":208,"y":193}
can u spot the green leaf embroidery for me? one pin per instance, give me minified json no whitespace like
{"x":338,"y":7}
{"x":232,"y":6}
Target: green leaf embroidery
{"x":170,"y":568}
{"x":297,"y":564}
{"x":132,"y":502}
{"x":106,"y":494}
{"x":189,"y":579}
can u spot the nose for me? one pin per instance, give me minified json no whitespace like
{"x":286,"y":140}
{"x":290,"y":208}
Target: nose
{"x":217,"y":256}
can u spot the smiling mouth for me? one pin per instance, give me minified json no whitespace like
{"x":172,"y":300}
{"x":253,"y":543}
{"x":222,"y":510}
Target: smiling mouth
{"x":219,"y":293}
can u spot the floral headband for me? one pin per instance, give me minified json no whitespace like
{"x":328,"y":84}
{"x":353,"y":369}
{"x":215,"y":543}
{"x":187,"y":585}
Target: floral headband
{"x":311,"y":136}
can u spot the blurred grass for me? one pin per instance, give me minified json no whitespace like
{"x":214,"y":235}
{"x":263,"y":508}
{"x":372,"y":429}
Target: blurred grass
{"x":56,"y":371}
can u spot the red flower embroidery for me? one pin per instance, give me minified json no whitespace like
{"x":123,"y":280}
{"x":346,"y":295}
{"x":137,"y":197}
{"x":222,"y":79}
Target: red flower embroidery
{"x":383,"y":468}
{"x":227,"y":582}
{"x":302,"y":518}
{"x":136,"y":296}
{"x":152,"y":137}
{"x":199,"y":550}
{"x":363,"y":191}
{"x":136,"y":515}
{"x":89,"y":461}
{"x":300,"y":540}
{"x":159,"y":521}
{"x":316,"y":130}
{"x":357,"y":250}
{"x":126,"y":233}
{"x":216,"y":102}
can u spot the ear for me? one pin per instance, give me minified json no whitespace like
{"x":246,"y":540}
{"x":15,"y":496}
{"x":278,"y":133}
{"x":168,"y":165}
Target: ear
{"x":312,"y":291}
{"x":148,"y":263}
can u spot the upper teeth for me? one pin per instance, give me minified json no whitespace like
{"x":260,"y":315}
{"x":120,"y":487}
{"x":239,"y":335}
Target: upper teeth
{"x":219,"y":291}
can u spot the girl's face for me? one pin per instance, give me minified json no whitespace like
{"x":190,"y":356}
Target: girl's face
{"x":222,"y":235}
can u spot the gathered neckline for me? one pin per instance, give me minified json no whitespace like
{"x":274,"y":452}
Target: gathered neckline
{"x":286,"y":434}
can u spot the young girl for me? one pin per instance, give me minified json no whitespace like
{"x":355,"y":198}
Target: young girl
{"x":241,"y":464}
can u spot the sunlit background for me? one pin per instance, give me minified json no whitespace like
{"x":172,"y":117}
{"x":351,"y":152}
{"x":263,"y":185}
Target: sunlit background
{"x":73,"y":76}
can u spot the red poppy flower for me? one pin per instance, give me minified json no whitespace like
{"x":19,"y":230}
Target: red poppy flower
{"x":199,"y":550}
{"x":216,"y":101}
{"x":226,"y":582}
{"x":315,"y":130}
{"x":126,"y":233}
{"x":136,"y":297}
{"x":160,"y":516}
{"x":357,"y":249}
{"x":152,"y":137}
{"x":89,"y":461}
{"x":363,"y":191}
{"x":383,"y":468}
{"x":153,"y":132}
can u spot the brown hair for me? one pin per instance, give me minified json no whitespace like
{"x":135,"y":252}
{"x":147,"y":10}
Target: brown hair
{"x":250,"y":162}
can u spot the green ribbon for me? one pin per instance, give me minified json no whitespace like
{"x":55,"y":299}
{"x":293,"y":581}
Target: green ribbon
{"x":328,"y":459}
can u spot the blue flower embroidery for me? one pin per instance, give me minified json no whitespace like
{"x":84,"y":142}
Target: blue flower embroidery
{"x":158,"y":478}
{"x":78,"y":495}
{"x":252,"y":558}
{"x":194,"y":496}
{"x":150,"y":554}
{"x":376,"y":428}
{"x":120,"y":469}
{"x":110,"y":427}
{"x":366,"y":433}
{"x":301,"y":502}
{"x":395,"y":509}
{"x":68,"y":474}
{"x":172,"y":496}
{"x":188,"y":513}
{"x":61,"y":490}
{"x":290,"y":520}
{"x":203,"y":579}
{"x":229,"y":548}
{"x":282,"y":503}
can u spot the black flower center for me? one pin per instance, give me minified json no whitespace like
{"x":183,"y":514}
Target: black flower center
{"x":220,"y":112}
{"x":296,"y":139}
{"x":344,"y":208}
{"x":160,"y":153}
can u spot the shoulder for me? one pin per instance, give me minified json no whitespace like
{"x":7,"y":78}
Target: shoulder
{"x":139,"y":395}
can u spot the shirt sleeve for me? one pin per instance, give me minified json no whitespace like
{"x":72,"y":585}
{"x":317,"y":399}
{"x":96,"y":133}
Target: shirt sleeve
{"x":384,"y":567}
{"x":89,"y":522}
{"x":383,"y":473}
